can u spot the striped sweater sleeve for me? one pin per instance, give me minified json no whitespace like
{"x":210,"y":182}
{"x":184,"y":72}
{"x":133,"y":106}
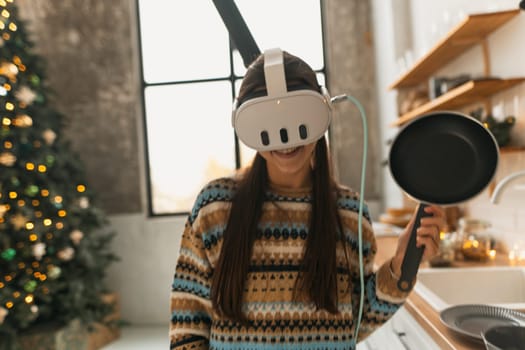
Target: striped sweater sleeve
{"x":190,"y":296}
{"x":382,"y":298}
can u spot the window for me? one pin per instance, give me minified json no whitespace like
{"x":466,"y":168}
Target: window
{"x":190,"y":77}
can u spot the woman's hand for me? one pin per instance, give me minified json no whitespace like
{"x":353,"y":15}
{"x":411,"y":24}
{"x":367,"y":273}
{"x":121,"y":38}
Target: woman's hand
{"x":427,"y":235}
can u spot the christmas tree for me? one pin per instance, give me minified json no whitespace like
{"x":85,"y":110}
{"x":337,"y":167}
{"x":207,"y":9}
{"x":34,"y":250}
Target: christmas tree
{"x":54,"y":241}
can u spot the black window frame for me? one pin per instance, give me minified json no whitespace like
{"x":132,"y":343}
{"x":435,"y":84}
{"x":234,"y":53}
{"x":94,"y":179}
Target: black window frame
{"x":232,"y":78}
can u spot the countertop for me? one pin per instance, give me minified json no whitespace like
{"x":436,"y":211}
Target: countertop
{"x":423,"y":312}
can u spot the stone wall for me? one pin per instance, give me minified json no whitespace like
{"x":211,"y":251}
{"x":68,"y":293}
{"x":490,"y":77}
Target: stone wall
{"x":350,"y":65}
{"x":89,"y":47}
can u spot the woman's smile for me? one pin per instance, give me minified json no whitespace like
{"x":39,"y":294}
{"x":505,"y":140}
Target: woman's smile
{"x":288,"y":152}
{"x":290,"y":166}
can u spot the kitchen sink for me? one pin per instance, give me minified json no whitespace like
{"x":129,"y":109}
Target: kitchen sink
{"x":499,"y":286}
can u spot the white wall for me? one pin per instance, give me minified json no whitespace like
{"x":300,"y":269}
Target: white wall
{"x":386,"y":72}
{"x":430,"y":21}
{"x":148,"y":249}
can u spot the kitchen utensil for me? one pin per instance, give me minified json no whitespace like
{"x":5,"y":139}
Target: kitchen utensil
{"x":441,"y":158}
{"x":504,"y":338}
{"x":471,"y":320}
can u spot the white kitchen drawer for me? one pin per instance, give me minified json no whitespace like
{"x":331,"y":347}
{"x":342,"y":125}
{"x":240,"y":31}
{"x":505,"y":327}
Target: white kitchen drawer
{"x":401,"y":332}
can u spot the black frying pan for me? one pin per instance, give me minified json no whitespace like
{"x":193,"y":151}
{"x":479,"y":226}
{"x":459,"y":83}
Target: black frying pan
{"x":440,"y":158}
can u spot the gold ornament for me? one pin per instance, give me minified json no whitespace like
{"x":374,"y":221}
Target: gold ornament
{"x":3,"y":314}
{"x":76,"y":236}
{"x":23,"y":121}
{"x":54,"y":272}
{"x":25,"y":95}
{"x":8,"y":69}
{"x":39,"y":250}
{"x":83,"y":202}
{"x":66,"y":254}
{"x":49,"y":136}
{"x":3,"y":210}
{"x":19,"y":221}
{"x":7,"y":158}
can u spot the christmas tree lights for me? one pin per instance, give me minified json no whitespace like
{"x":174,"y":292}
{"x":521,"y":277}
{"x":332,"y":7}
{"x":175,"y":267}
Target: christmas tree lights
{"x":54,"y":243}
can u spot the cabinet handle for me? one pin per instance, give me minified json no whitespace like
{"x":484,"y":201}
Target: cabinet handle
{"x":401,"y":336}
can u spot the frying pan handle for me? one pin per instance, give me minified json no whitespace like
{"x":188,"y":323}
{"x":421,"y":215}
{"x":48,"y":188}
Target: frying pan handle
{"x":413,"y":254}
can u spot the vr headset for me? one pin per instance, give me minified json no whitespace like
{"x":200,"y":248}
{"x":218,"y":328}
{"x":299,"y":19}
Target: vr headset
{"x":282,"y":119}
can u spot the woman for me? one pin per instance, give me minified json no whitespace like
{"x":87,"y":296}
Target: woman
{"x":269,"y":257}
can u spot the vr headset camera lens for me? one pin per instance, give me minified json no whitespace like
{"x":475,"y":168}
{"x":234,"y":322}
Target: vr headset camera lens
{"x":302,"y":132}
{"x":284,"y":135}
{"x":265,"y":138}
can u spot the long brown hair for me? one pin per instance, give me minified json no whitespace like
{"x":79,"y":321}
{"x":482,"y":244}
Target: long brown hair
{"x":318,"y":277}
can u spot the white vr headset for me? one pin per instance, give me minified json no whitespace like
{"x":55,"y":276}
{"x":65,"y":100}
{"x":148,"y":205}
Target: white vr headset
{"x":282,"y":119}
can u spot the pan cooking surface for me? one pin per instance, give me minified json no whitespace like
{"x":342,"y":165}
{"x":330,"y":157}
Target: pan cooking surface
{"x":443,"y":158}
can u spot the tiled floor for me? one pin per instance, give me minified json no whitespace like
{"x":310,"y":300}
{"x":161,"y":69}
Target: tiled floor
{"x":141,"y":338}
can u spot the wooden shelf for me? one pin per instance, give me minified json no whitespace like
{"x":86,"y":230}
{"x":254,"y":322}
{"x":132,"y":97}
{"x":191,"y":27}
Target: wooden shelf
{"x":512,"y":149}
{"x":472,"y":30}
{"x":463,"y":95}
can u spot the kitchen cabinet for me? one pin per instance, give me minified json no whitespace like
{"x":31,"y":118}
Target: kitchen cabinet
{"x":473,"y":30}
{"x":401,"y":332}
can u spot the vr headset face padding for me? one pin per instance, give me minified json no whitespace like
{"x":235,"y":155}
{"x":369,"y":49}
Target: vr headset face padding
{"x":282,"y":119}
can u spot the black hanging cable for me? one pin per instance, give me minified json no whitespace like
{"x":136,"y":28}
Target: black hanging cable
{"x":238,"y":30}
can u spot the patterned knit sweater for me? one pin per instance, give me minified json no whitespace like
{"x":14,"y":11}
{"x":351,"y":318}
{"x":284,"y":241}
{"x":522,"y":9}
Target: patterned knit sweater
{"x":277,"y":320}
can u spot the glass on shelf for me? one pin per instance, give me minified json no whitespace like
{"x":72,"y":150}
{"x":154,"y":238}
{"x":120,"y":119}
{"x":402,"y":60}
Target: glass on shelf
{"x":475,"y":238}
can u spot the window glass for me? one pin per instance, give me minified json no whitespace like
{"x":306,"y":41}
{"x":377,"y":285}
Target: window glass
{"x":295,"y":27}
{"x":190,"y":141}
{"x":182,"y":40}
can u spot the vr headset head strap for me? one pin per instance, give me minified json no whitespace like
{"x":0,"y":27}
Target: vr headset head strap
{"x":274,"y":72}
